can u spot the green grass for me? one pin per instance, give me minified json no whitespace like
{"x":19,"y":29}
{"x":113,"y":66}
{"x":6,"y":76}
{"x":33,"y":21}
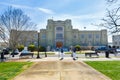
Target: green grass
{"x":53,"y":53}
{"x":109,"y":68}
{"x":42,"y":53}
{"x":9,"y":70}
{"x":77,"y":52}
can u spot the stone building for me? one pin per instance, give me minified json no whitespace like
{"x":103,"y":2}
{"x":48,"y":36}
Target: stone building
{"x":61,"y":34}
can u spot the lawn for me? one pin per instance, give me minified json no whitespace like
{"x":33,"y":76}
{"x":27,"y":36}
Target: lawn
{"x":53,"y":53}
{"x":9,"y":70}
{"x":77,"y":52}
{"x":43,"y":53}
{"x":109,"y":68}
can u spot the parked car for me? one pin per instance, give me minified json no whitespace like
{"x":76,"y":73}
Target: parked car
{"x":118,"y":50}
{"x":104,"y":48}
{"x":101,"y":49}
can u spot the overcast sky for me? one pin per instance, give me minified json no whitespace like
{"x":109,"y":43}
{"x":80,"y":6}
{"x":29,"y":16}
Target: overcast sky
{"x":83,"y":13}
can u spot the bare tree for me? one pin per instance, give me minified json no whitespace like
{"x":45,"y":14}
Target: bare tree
{"x":14,"y":20}
{"x":111,"y":1}
{"x":112,"y":19}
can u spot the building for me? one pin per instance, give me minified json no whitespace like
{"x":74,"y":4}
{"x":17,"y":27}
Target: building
{"x":116,"y":40}
{"x":61,"y":34}
{"x":23,"y":37}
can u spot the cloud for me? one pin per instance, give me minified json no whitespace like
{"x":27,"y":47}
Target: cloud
{"x":81,"y":21}
{"x":47,"y":11}
{"x":44,"y":10}
{"x":14,"y":5}
{"x":94,"y":16}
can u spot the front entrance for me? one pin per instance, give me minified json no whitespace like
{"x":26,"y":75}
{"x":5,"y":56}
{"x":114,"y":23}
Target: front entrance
{"x":59,"y":44}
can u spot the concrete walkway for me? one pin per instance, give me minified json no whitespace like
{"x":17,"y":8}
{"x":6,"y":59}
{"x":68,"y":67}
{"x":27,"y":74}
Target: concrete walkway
{"x":61,"y":70}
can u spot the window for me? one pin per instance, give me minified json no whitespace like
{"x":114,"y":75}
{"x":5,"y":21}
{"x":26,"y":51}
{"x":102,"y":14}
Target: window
{"x":35,"y":42}
{"x":90,"y":36}
{"x":115,"y":43}
{"x":35,"y":35}
{"x":43,"y":36}
{"x":59,"y":28}
{"x":82,"y":36}
{"x":97,"y":36}
{"x":75,"y":36}
{"x":119,"y":37}
{"x":59,"y":36}
{"x":116,"y":38}
{"x":97,"y":43}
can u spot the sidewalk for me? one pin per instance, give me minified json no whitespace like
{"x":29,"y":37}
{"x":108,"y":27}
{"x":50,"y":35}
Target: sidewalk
{"x":65,"y":59}
{"x":54,"y":69}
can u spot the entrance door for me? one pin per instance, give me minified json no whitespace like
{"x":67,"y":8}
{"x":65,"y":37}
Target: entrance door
{"x":59,"y":44}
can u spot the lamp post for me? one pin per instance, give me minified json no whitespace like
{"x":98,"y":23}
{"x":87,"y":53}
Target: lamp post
{"x":2,"y":56}
{"x":45,"y":53}
{"x":38,"y":56}
{"x":45,"y":48}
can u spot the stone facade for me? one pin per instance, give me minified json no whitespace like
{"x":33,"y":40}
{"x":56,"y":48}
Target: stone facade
{"x":61,"y":34}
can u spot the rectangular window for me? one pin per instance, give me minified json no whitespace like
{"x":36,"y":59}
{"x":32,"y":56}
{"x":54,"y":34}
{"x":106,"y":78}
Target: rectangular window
{"x":59,"y":36}
{"x":36,"y":36}
{"x":43,"y":36}
{"x":115,"y":43}
{"x":97,"y":36}
{"x":90,"y":36}
{"x":59,"y":28}
{"x":75,"y":36}
{"x":82,"y":35}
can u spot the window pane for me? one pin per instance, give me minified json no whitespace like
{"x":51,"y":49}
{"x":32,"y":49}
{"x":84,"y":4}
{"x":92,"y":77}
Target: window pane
{"x":97,"y":36}
{"x":43,"y":36}
{"x":90,"y":36}
{"x":59,"y":36}
{"x":75,"y":36}
{"x":82,"y":35}
{"x":59,"y":28}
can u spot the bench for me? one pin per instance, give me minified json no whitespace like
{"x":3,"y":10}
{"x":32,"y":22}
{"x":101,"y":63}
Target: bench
{"x":91,"y":53}
{"x":27,"y":54}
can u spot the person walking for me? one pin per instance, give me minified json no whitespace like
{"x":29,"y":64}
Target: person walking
{"x":61,"y":54}
{"x":74,"y":54}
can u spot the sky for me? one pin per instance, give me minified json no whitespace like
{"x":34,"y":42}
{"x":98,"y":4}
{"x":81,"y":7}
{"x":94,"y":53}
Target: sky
{"x":83,"y":13}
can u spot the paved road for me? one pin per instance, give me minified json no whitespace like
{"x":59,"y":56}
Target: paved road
{"x":61,"y":70}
